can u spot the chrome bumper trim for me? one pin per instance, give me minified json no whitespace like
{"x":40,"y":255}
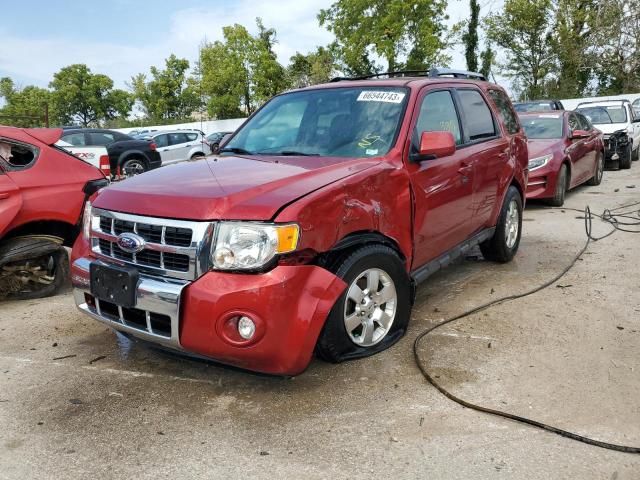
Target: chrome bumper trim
{"x":153,"y":295}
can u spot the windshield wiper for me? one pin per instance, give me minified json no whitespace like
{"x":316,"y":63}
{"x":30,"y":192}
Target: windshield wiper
{"x":238,"y":150}
{"x":293,"y":153}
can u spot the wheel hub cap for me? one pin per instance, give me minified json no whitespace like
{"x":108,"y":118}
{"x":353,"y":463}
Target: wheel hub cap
{"x":512,"y":224}
{"x":370,"y":307}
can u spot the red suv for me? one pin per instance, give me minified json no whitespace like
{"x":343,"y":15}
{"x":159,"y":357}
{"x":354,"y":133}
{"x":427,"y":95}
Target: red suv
{"x":42,"y":193}
{"x":312,"y":227}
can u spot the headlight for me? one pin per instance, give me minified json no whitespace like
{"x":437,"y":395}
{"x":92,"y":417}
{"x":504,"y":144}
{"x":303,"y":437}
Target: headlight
{"x":251,"y":246}
{"x":86,"y":220}
{"x":539,"y":161}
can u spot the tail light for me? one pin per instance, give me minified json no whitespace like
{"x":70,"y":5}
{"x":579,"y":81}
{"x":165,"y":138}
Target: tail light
{"x":105,"y":165}
{"x":153,"y":146}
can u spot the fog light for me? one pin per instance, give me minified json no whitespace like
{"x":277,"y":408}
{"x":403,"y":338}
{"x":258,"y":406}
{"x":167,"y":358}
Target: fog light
{"x":246,"y":328}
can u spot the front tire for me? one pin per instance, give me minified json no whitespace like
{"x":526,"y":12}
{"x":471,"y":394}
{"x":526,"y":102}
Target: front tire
{"x":40,"y":276}
{"x":599,"y":173}
{"x":504,"y":244}
{"x":625,"y":158}
{"x":373,"y":312}
{"x":561,"y":187}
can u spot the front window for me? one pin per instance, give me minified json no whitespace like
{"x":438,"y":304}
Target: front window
{"x":604,"y":115}
{"x":542,"y":127}
{"x":337,"y":122}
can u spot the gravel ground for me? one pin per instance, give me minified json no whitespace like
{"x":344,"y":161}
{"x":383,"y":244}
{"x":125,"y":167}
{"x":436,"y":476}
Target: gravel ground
{"x":77,"y":401}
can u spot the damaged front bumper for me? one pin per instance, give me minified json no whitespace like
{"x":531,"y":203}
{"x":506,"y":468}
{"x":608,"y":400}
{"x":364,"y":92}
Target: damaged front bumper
{"x":288,"y":306}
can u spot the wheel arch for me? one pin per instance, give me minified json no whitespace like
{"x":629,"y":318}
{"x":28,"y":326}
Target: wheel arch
{"x":49,"y":228}
{"x":124,"y":156}
{"x":355,"y":240}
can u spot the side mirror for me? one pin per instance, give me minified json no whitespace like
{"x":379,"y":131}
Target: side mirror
{"x":577,"y":134}
{"x":436,"y":145}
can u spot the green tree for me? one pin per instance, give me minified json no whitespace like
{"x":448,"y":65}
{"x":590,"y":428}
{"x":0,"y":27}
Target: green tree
{"x":617,"y":40}
{"x":170,"y":93}
{"x":573,"y":47}
{"x":405,"y":34}
{"x":488,"y":58}
{"x":470,"y":37}
{"x":313,"y":68}
{"x":240,"y":72}
{"x":80,"y":96}
{"x":523,"y":31}
{"x":19,"y":104}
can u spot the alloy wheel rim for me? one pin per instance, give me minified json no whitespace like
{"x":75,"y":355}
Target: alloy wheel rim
{"x":512,"y":224}
{"x":370,"y":307}
{"x":133,"y":168}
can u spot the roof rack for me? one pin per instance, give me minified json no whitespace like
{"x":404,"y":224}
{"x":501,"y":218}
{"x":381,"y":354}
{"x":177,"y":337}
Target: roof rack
{"x":433,"y":73}
{"x":605,"y":101}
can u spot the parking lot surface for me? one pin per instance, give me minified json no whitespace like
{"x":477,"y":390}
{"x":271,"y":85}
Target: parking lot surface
{"x":77,"y":401}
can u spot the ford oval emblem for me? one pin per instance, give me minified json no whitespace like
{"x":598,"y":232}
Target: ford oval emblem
{"x":130,"y":242}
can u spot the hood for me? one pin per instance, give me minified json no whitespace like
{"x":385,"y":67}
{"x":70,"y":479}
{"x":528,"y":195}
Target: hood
{"x":539,"y":148}
{"x":609,"y":128}
{"x":226,"y":188}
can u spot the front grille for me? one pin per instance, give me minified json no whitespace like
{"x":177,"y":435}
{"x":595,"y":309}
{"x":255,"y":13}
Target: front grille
{"x":156,"y":323}
{"x":172,"y":246}
{"x":148,"y":258}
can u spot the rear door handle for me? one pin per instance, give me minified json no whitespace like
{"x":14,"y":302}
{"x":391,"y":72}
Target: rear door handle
{"x":3,"y":195}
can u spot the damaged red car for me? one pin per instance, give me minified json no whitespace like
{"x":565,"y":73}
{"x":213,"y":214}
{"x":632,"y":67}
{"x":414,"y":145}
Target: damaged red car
{"x":312,"y":227}
{"x":43,"y":190}
{"x":565,"y":151}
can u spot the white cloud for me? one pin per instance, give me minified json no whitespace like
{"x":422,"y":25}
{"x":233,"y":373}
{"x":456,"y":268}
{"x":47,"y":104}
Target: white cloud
{"x":36,"y":60}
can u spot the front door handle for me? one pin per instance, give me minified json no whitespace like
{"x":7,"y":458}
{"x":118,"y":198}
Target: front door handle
{"x":3,"y":195}
{"x":465,"y":167}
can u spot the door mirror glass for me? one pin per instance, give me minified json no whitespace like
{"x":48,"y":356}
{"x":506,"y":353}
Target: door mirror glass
{"x":577,"y":134}
{"x":436,"y":145}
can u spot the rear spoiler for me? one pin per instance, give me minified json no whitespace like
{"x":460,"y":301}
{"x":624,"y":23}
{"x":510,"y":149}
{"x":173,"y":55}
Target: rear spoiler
{"x":48,"y":136}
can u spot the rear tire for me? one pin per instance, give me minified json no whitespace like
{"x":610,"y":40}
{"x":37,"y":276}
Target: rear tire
{"x":504,"y":244}
{"x":561,"y":187}
{"x":133,"y":166}
{"x":373,"y":312}
{"x":197,"y":155}
{"x":599,"y":173}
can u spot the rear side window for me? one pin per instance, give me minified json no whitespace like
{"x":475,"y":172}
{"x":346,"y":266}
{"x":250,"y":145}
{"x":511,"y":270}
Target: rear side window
{"x":192,"y":136}
{"x":506,"y":112}
{"x":162,"y":140}
{"x":100,"y":139}
{"x":177,"y":138}
{"x":75,"y":139}
{"x":22,"y":155}
{"x":437,"y":114}
{"x":478,"y":120}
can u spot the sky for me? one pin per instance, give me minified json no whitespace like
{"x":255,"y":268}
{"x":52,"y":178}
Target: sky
{"x":121,"y":38}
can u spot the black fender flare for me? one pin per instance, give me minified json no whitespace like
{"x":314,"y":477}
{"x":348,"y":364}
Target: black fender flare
{"x":132,"y":153}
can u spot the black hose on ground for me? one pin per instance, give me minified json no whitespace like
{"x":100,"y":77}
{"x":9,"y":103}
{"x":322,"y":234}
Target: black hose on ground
{"x":621,"y":219}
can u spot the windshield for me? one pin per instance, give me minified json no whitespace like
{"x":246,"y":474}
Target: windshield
{"x":337,"y":122}
{"x":604,"y":115}
{"x":542,"y":127}
{"x":533,"y":107}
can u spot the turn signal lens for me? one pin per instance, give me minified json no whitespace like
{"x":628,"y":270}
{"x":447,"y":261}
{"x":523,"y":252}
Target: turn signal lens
{"x":287,"y":238}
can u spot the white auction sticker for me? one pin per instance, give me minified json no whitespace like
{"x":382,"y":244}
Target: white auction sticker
{"x":387,"y":97}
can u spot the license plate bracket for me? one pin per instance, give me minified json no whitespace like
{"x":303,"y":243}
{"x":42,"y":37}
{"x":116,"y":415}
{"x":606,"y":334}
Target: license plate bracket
{"x":114,"y":284}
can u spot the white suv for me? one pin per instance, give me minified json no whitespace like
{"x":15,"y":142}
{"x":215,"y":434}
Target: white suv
{"x":612,"y":116}
{"x":178,"y":145}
